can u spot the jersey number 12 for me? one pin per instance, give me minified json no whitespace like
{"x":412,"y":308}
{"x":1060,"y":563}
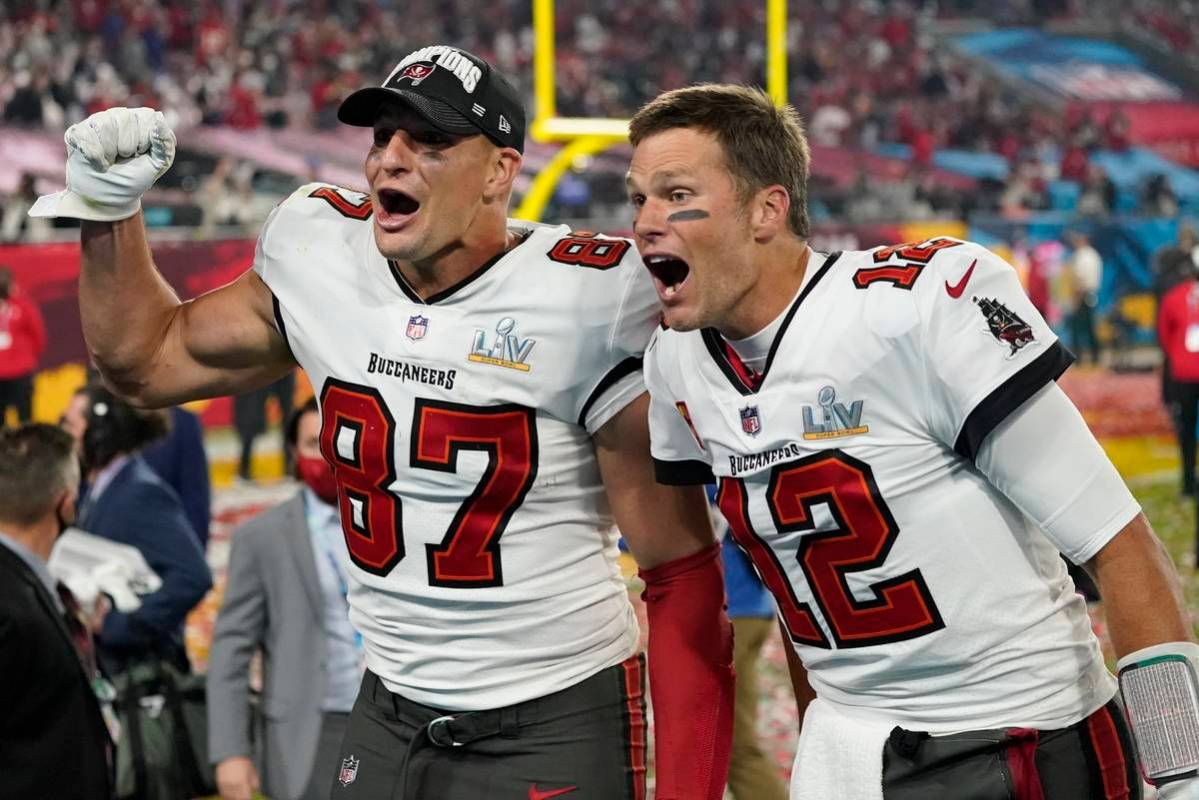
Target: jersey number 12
{"x":860,"y":538}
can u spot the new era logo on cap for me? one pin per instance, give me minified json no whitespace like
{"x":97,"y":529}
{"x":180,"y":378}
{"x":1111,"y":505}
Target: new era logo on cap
{"x":452,"y":89}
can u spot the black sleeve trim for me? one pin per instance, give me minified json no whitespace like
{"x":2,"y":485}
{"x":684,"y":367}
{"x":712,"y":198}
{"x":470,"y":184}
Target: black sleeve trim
{"x":682,"y":473}
{"x":279,"y":323}
{"x":623,"y":369}
{"x":1009,"y":396}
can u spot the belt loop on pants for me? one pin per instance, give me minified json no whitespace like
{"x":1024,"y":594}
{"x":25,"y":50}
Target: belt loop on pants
{"x":509,"y":723}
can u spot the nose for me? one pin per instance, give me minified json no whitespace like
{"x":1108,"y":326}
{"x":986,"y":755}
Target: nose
{"x":649,"y":221}
{"x":397,"y":155}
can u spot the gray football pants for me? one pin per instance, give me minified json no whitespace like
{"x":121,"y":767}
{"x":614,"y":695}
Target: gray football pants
{"x":586,"y":742}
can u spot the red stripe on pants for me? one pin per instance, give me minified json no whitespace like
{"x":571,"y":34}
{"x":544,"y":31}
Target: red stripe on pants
{"x":1022,"y":763}
{"x":1109,"y":753}
{"x":635,"y":706}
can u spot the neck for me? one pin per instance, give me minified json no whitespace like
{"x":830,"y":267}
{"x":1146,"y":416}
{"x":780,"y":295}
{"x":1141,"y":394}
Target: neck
{"x":782,"y":265}
{"x":456,"y":261}
{"x":38,"y":538}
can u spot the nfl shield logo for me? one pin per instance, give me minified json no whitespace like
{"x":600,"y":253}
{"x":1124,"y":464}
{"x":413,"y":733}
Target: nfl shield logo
{"x":417,"y":325}
{"x":751,"y":423}
{"x":349,"y":770}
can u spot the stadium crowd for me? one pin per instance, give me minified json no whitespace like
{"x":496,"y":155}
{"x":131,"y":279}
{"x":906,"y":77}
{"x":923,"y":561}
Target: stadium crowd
{"x":862,"y":73}
{"x":64,"y":59}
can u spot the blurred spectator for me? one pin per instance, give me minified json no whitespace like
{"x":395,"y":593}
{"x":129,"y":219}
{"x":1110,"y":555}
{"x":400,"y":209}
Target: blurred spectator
{"x":1178,"y":333}
{"x":22,"y":340}
{"x":32,"y":105}
{"x":1158,"y":199}
{"x":285,"y":572}
{"x":1075,"y":164}
{"x":1175,"y":263}
{"x":1039,"y":291}
{"x":54,"y":741}
{"x":180,"y":460}
{"x":15,"y":223}
{"x":244,"y":102}
{"x":1116,"y":131}
{"x":1025,"y":190}
{"x":1098,"y":196}
{"x":249,"y":419}
{"x":228,"y":197}
{"x":1086,"y":276}
{"x":127,"y":503}
{"x":1172,"y":265}
{"x":828,"y":124}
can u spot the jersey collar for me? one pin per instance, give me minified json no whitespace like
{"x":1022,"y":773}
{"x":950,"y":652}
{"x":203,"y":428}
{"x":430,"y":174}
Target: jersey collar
{"x":742,"y":378}
{"x":523,"y":237}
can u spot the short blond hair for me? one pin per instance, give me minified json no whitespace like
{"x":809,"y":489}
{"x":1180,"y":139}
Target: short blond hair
{"x":763,"y":144}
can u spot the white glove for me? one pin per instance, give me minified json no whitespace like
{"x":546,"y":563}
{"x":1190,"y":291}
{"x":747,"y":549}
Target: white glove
{"x":113,"y":158}
{"x":1180,"y":790}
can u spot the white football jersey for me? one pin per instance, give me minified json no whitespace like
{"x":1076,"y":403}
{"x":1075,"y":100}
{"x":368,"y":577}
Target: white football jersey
{"x":912,"y":588}
{"x":484,"y":561}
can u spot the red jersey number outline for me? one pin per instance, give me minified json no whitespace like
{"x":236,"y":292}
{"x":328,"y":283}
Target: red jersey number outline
{"x":902,"y":276}
{"x":469,"y":554}
{"x":360,"y":211}
{"x":587,"y":251}
{"x":865,"y":531}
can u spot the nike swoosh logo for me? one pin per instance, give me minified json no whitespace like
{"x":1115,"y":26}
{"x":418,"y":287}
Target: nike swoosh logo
{"x":956,"y":291}
{"x":546,"y":794}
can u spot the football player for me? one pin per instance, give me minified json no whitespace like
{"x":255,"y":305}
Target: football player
{"x":893,"y":452}
{"x":484,"y":410}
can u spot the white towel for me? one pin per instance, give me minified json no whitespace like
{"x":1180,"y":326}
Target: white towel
{"x":838,"y":757}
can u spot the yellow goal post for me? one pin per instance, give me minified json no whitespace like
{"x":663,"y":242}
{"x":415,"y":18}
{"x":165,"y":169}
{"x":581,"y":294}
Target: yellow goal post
{"x":584,"y":136}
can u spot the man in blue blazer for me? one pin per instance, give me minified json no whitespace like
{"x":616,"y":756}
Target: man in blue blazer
{"x":180,"y":460}
{"x":128,"y":503}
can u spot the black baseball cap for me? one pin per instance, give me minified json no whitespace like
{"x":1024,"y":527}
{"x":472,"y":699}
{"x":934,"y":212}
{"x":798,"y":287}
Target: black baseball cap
{"x":456,"y":91}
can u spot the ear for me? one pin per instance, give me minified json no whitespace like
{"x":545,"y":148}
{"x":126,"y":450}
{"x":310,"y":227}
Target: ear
{"x":66,"y":506}
{"x":505,"y":166}
{"x":769,"y":212}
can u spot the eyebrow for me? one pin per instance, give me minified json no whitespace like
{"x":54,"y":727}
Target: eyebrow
{"x":661,"y":177}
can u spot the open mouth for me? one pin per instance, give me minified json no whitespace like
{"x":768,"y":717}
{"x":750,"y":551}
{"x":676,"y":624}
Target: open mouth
{"x":669,"y":272}
{"x":396,"y":203}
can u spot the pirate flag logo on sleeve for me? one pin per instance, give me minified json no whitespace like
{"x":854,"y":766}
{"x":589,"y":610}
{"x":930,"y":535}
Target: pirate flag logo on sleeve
{"x":1004,"y":324}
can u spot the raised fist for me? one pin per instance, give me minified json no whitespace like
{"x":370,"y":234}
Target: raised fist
{"x":113,"y":158}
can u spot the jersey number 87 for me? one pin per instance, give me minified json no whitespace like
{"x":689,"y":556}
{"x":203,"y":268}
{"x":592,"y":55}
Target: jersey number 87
{"x":358,"y":439}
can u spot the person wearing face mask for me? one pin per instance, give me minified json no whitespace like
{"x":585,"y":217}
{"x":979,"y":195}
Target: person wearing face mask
{"x":286,"y":597}
{"x":54,"y":741}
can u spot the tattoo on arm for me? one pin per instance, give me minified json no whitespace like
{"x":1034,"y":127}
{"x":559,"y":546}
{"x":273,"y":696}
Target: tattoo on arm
{"x":688,"y":215}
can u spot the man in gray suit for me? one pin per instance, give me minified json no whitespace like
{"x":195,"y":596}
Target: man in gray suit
{"x":285,"y":597}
